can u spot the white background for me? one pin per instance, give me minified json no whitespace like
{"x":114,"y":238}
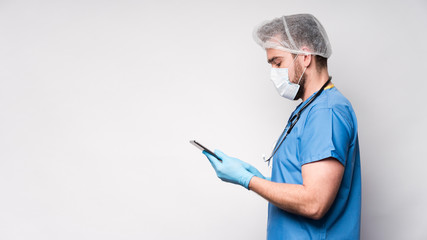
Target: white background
{"x":98,"y":100}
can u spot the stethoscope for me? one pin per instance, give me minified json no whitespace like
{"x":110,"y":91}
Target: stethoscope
{"x":293,"y":120}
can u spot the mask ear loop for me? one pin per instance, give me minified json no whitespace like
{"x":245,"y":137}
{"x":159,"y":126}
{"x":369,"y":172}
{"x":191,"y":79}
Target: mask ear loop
{"x":302,"y":71}
{"x":302,"y":74}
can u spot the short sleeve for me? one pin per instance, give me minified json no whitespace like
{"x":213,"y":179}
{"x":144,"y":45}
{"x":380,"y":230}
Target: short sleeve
{"x":326,"y":134}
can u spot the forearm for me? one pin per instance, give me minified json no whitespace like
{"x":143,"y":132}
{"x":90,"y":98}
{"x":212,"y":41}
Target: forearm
{"x":312,"y":199}
{"x":293,"y":198}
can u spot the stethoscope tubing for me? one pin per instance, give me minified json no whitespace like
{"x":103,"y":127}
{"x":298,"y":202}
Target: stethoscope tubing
{"x":297,"y":116}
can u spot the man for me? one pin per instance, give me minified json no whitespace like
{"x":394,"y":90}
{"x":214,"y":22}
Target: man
{"x":315,"y":187}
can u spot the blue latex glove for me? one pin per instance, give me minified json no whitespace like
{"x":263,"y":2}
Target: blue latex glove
{"x":232,"y":169}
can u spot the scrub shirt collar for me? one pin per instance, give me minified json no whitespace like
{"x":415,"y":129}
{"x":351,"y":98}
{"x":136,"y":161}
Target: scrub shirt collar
{"x":308,"y":99}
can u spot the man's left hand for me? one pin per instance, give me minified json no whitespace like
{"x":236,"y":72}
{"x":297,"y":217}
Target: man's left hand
{"x":232,"y":169}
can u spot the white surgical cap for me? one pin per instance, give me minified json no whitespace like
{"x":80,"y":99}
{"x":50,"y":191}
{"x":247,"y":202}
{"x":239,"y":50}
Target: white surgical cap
{"x":292,"y":33}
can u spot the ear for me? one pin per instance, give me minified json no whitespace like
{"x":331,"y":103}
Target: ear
{"x":307,"y":58}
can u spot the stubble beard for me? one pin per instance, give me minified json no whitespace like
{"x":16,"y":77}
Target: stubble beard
{"x":297,"y":74}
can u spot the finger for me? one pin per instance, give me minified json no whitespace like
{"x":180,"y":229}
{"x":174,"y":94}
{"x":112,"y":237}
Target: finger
{"x":212,"y":159}
{"x":246,"y":165}
{"x":220,"y":154}
{"x":255,"y":171}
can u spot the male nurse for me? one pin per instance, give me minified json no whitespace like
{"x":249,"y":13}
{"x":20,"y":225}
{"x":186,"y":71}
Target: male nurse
{"x":315,"y":187}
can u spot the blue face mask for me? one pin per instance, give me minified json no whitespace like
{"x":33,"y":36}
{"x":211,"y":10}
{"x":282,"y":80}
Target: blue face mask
{"x":280,"y":78}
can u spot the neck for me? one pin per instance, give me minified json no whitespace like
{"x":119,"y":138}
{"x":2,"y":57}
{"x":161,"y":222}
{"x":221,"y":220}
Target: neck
{"x":314,"y":81}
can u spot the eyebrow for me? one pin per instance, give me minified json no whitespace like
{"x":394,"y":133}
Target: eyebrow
{"x":273,"y":59}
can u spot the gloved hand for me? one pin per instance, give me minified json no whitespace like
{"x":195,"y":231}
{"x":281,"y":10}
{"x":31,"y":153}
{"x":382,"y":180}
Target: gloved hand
{"x":232,"y":169}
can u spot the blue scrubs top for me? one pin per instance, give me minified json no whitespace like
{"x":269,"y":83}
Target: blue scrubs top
{"x":326,"y":128}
